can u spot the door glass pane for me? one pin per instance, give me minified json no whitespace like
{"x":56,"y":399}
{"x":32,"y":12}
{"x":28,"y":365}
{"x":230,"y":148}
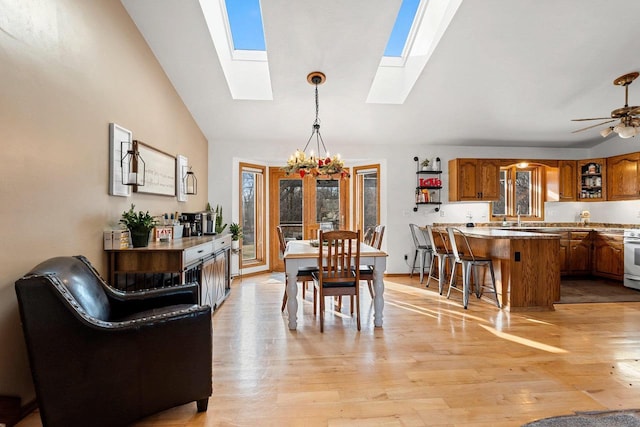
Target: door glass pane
{"x":291,"y":208}
{"x":500,"y":206}
{"x":523,"y":192}
{"x":328,"y":203}
{"x":248,"y":215}
{"x":370,"y":200}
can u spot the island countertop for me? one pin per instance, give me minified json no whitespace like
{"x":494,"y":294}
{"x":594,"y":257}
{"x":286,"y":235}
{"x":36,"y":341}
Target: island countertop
{"x":498,"y":233}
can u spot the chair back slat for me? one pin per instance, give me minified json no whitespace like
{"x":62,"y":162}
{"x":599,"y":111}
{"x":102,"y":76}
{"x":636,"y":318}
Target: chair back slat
{"x":342,"y":253}
{"x":281,"y":241}
{"x":378,"y":234}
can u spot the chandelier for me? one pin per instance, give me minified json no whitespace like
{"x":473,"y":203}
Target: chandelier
{"x":320,"y":164}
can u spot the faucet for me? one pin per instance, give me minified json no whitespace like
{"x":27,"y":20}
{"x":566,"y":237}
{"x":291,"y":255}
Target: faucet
{"x":518,"y":213}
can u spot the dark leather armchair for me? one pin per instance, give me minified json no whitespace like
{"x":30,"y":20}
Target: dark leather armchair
{"x":103,"y":357}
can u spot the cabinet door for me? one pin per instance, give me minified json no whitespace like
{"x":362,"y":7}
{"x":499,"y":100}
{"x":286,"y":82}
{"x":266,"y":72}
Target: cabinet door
{"x":622,"y":177}
{"x":207,"y":283}
{"x":608,"y":256}
{"x":592,"y":180}
{"x":474,"y":179}
{"x":488,"y":179}
{"x":580,"y":252}
{"x":567,"y":180}
{"x":467,"y":174}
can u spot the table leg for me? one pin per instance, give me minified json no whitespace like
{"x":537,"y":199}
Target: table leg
{"x":378,"y":291}
{"x":292,"y":295}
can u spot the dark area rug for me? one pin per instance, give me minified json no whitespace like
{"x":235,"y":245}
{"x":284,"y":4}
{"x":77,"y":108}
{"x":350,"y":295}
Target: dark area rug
{"x":573,"y":291}
{"x":626,"y":418}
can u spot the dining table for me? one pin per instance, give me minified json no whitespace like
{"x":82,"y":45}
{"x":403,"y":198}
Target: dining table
{"x":301,"y":253}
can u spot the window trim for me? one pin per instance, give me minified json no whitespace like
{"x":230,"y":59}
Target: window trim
{"x":261,"y":209}
{"x":538,"y":184}
{"x":358,"y":211}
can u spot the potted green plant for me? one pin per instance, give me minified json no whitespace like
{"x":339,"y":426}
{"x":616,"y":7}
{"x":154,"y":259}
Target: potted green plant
{"x":236,"y":234}
{"x":139,"y":224}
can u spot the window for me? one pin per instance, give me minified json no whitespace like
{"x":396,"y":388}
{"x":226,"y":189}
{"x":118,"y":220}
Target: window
{"x":367,"y":197}
{"x":252,"y":214}
{"x":520,"y":193}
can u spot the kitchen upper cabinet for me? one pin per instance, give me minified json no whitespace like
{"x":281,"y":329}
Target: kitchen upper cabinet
{"x":623,"y":180}
{"x":567,"y":178}
{"x":474,"y":179}
{"x":608,"y":256}
{"x":592,"y":186}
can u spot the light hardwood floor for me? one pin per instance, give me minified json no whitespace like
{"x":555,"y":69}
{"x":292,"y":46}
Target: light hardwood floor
{"x":432,"y":364}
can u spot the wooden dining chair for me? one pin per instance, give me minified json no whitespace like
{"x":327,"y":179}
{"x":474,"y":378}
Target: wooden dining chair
{"x":336,"y":275}
{"x":304,"y":273}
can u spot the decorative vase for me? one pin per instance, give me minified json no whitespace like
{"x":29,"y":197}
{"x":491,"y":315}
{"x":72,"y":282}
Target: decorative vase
{"x":235,"y":245}
{"x":140,"y":237}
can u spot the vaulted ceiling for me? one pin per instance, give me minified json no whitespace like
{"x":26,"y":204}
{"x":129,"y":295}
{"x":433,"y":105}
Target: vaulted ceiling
{"x":505,"y":73}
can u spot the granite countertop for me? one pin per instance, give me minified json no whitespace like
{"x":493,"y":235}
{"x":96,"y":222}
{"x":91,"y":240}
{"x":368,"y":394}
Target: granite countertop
{"x":550,"y":226}
{"x":502,"y":233}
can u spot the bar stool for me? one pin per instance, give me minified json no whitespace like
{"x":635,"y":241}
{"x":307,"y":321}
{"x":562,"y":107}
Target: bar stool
{"x":440,"y":253}
{"x":422,"y":248}
{"x":469,"y":263}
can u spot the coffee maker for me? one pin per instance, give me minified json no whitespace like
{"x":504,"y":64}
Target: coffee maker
{"x":192,"y":221}
{"x":201,"y":223}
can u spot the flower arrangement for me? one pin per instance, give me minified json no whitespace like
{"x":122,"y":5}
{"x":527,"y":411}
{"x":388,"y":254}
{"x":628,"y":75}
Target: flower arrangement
{"x":303,"y":164}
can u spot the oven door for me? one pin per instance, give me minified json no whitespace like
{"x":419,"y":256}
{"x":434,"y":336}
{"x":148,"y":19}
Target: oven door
{"x":632,"y":263}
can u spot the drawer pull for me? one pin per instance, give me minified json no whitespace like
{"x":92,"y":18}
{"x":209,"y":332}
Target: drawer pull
{"x":200,"y":251}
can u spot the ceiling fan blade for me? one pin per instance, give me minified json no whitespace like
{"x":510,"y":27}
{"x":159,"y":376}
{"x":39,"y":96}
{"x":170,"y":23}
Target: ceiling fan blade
{"x":593,"y":126}
{"x":595,"y":118}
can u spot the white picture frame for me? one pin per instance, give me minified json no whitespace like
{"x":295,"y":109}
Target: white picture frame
{"x":181,"y":168}
{"x":117,"y":136}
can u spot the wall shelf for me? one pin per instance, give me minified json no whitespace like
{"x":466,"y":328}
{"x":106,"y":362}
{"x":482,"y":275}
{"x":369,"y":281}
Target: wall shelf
{"x":427,"y":189}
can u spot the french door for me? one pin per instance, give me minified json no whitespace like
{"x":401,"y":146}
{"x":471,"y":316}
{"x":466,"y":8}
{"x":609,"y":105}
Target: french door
{"x":301,"y":206}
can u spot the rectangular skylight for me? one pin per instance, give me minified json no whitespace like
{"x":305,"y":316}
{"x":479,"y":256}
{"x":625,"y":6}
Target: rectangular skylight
{"x":401,"y":29}
{"x":245,"y":22}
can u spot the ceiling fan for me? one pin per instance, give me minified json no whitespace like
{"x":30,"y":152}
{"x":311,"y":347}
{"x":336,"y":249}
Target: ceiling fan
{"x":629,"y":124}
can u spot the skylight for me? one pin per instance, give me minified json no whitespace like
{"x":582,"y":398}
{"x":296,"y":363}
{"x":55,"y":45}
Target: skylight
{"x":237,"y":32}
{"x":396,"y":75}
{"x":400,"y":32}
{"x":245,"y":22}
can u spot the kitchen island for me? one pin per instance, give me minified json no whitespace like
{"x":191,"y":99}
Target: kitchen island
{"x":526,"y":264}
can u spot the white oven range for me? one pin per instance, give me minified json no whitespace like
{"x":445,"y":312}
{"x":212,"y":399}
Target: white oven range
{"x":631,"y":241}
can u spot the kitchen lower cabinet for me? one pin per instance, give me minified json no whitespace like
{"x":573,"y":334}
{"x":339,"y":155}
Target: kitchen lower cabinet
{"x":575,"y":253}
{"x":580,"y":253}
{"x":608,"y":256}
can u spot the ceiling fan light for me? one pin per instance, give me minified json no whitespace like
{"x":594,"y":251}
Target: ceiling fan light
{"x":627,"y":132}
{"x":618,"y":128}
{"x":606,"y":132}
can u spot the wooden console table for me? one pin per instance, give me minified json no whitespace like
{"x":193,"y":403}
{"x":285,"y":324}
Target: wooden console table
{"x":203,"y":259}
